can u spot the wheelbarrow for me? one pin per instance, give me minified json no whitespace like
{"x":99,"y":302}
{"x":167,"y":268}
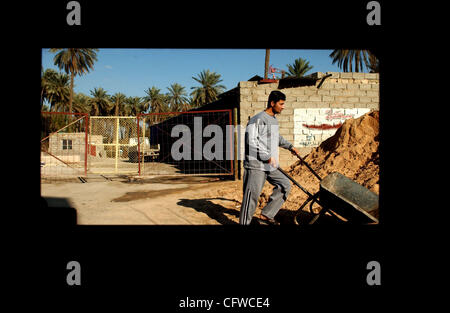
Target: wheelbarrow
{"x":339,"y":195}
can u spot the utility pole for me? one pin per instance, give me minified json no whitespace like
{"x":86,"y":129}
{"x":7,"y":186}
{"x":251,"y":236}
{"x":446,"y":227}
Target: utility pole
{"x":266,"y":66}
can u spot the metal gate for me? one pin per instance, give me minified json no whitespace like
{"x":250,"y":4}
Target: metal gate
{"x":186,"y":143}
{"x":74,"y":144}
{"x":63,"y":145}
{"x":112,"y":145}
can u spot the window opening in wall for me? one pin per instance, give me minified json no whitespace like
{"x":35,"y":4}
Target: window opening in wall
{"x":67,"y":144}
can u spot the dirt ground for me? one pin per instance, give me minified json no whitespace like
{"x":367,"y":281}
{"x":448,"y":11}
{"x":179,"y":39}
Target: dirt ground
{"x":193,"y":200}
{"x":146,"y":201}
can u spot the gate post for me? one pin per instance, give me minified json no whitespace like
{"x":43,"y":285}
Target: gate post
{"x":139,"y":144}
{"x":86,"y":129}
{"x":117,"y":143}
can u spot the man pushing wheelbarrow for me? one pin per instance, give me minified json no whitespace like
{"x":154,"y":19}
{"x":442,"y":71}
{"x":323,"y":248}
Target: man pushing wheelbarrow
{"x":337,"y":194}
{"x":262,"y":140}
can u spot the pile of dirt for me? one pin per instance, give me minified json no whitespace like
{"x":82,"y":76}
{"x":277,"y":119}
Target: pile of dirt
{"x":352,"y":151}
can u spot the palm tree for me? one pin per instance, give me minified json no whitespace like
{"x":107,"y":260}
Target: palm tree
{"x":209,"y":89}
{"x":100,"y":103}
{"x":47,"y":78}
{"x":119,"y":103}
{"x":55,"y":89}
{"x":134,"y":106}
{"x":299,"y":68}
{"x":177,"y":97}
{"x":76,"y":61}
{"x":156,"y":103}
{"x":345,"y":59}
{"x":81,"y":103}
{"x":374,"y":64}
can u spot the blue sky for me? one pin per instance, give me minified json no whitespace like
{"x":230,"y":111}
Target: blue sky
{"x":132,"y":71}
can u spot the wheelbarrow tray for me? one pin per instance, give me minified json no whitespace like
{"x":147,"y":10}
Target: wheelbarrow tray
{"x":348,"y":199}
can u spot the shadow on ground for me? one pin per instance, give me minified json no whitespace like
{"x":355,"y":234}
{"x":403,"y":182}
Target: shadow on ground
{"x":214,"y":211}
{"x":218,"y":213}
{"x":288,"y":217}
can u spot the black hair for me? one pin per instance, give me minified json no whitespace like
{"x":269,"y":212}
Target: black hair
{"x":275,"y":96}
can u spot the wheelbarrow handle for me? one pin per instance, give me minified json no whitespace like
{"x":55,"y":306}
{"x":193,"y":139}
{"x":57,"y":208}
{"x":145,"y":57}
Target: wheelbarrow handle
{"x":307,"y":165}
{"x":295,"y":182}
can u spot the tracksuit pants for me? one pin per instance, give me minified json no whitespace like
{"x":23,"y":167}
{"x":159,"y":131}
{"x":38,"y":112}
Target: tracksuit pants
{"x":253,"y":184}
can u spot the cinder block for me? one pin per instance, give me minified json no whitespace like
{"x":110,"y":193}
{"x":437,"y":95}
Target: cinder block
{"x":310,"y":92}
{"x":327,"y":98}
{"x":302,"y":98}
{"x":298,"y":92}
{"x":259,"y":92}
{"x":348,"y":93}
{"x":323,"y":104}
{"x":290,"y":98}
{"x":371,"y":76}
{"x":262,"y":98}
{"x":244,"y":91}
{"x":289,"y":137}
{"x":358,"y":75}
{"x":315,"y":98}
{"x":336,"y":92}
{"x":346,"y":75}
{"x":257,"y":105}
{"x":371,"y":93}
{"x":365,"y":99}
{"x":340,"y":86}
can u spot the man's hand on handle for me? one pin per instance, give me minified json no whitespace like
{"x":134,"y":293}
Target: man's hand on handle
{"x":295,"y":152}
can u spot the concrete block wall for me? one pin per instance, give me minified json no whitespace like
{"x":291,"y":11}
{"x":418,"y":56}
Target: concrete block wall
{"x":342,"y":94}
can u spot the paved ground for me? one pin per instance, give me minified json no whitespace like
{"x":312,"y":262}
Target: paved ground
{"x":151,"y":201}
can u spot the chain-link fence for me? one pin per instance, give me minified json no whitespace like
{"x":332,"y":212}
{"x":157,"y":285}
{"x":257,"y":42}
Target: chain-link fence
{"x":182,"y":143}
{"x":113,"y":145}
{"x":63,"y":146}
{"x":186,"y":143}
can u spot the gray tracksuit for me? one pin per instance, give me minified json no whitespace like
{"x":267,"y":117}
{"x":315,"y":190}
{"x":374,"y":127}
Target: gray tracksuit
{"x":262,"y":140}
